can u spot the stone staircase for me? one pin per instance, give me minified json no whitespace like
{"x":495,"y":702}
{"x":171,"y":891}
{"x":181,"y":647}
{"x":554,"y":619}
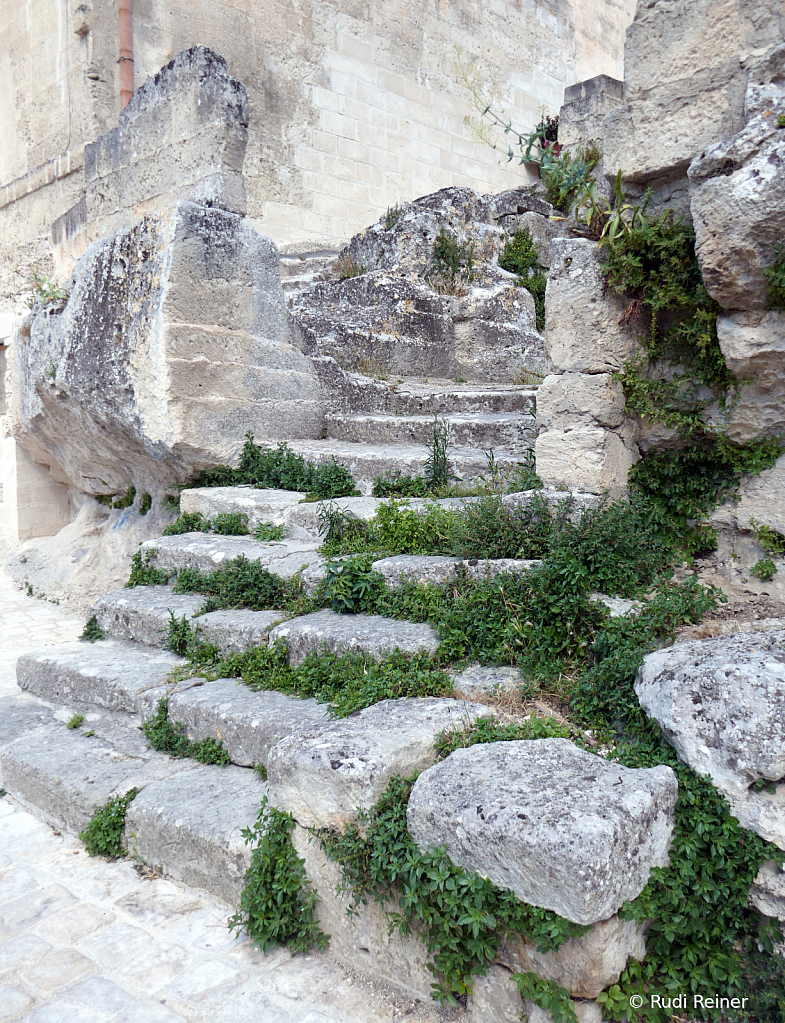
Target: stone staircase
{"x":479,"y":418}
{"x":188,"y":817}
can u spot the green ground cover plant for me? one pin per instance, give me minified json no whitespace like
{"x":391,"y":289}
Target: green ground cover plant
{"x":775,"y":277}
{"x":104,"y":831}
{"x":277,"y":906}
{"x":522,"y":257}
{"x":452,"y":264}
{"x":170,"y":737}
{"x":144,"y":573}
{"x":281,"y":469}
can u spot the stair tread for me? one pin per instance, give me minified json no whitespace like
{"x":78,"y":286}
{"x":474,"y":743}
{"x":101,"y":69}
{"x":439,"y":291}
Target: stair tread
{"x":208,"y":551}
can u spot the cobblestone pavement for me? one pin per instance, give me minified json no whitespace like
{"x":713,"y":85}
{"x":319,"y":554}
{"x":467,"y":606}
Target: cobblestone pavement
{"x":86,"y":941}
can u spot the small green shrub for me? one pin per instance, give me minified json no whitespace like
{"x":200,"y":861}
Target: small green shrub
{"x":278,"y":905}
{"x":105,"y":829}
{"x":145,"y":503}
{"x":92,"y":632}
{"x":188,"y":522}
{"x":170,"y":738}
{"x":44,"y":291}
{"x":452,"y":264}
{"x":239,"y":583}
{"x":144,"y":574}
{"x":180,"y":638}
{"x":231,"y":524}
{"x":126,"y":500}
{"x":770,"y":540}
{"x":484,"y":730}
{"x":396,"y":484}
{"x":764,"y":569}
{"x":346,"y":267}
{"x":351,"y":587}
{"x":266,"y":532}
{"x":75,"y":721}
{"x":522,"y":257}
{"x":781,"y":120}
{"x":281,"y":469}
{"x":392,"y":217}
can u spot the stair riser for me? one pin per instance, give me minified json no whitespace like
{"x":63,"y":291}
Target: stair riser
{"x":514,"y":435}
{"x":461,"y":402}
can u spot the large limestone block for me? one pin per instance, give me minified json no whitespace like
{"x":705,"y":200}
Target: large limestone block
{"x":585,"y":966}
{"x":258,"y":505}
{"x":753,"y":344}
{"x":174,"y":341}
{"x":560,"y":827}
{"x":325,"y":777}
{"x":208,"y":551}
{"x":594,"y":397}
{"x":721,"y":704}
{"x":196,"y":113}
{"x":582,"y":456}
{"x":685,"y":70}
{"x":737,"y":198}
{"x":249,"y":724}
{"x":760,"y":497}
{"x":582,"y":330}
{"x":352,"y":634}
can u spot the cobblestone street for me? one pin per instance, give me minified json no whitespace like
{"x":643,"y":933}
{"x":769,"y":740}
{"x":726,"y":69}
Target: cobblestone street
{"x":86,"y":941}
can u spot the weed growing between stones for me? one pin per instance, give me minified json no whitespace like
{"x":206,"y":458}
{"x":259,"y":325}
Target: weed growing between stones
{"x":225,"y":524}
{"x":170,"y":737}
{"x":266,"y":532}
{"x":244,"y":583}
{"x":522,"y":257}
{"x":277,"y":906}
{"x":345,"y":267}
{"x":188,"y":522}
{"x":764,"y":569}
{"x":92,"y":632}
{"x":105,"y":828}
{"x":775,"y":274}
{"x":282,"y":469}
{"x":492,"y":730}
{"x":126,"y":500}
{"x":452,"y":264}
{"x":74,"y":721}
{"x":461,"y":917}
{"x":143,"y":573}
{"x":770,"y":540}
{"x":437,"y":472}
{"x":145,"y":503}
{"x":392,"y":217}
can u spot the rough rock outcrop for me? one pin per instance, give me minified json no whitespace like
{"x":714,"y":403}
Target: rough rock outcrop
{"x":685,"y":73}
{"x":560,"y":827}
{"x":737,"y":195}
{"x":387,"y":315}
{"x":175,"y":339}
{"x":721,"y":705}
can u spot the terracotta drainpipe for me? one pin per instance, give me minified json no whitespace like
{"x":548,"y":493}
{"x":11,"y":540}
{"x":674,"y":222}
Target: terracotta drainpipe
{"x":126,"y":53}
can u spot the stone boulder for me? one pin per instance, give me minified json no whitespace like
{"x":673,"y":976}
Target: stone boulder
{"x":323,"y":777}
{"x":174,"y":341}
{"x":753,"y":344}
{"x":388,"y":317}
{"x":562,"y":828}
{"x":721,"y":704}
{"x":737,"y":195}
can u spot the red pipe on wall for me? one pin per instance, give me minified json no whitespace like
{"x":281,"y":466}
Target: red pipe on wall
{"x":126,"y":53}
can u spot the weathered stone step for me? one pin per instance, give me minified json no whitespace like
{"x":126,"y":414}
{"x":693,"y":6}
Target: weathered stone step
{"x":323,"y":779}
{"x":439,"y":570}
{"x":114,"y":676}
{"x":448,"y":398}
{"x":366,"y":461}
{"x":207,"y":551}
{"x":266,"y":505}
{"x":248,"y":723}
{"x":67,"y":776}
{"x":371,"y":634}
{"x":189,"y":826}
{"x":484,"y":430}
{"x":142,"y":615}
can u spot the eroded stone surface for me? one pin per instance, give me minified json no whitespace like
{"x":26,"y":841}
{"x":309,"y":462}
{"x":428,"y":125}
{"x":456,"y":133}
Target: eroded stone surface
{"x":439,"y":570}
{"x":259,"y":505}
{"x":249,"y":724}
{"x":324,"y":778}
{"x":189,"y":826}
{"x":562,"y":828}
{"x":237,"y":630}
{"x":208,"y":551}
{"x":371,"y":634}
{"x":110,"y":674}
{"x":142,"y":614}
{"x":721,"y":704}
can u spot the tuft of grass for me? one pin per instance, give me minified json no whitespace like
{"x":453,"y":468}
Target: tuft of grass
{"x":75,"y":721}
{"x":266,"y":532}
{"x":145,"y":503}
